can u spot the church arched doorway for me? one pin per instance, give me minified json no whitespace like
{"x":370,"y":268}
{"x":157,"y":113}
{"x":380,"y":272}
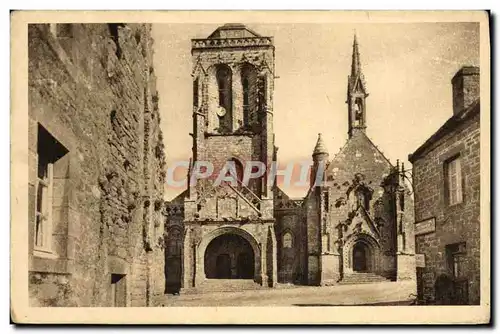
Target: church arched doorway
{"x":360,"y":257}
{"x":229,"y":256}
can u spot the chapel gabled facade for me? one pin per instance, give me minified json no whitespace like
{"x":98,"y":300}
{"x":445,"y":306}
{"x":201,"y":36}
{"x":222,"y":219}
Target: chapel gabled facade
{"x":360,"y":218}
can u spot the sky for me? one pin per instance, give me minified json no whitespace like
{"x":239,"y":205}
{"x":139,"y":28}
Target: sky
{"x":407,"y":67}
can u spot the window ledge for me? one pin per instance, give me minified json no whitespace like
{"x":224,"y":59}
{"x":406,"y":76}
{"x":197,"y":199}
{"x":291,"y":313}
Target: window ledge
{"x":50,"y":263}
{"x":44,"y":253}
{"x":455,"y":206}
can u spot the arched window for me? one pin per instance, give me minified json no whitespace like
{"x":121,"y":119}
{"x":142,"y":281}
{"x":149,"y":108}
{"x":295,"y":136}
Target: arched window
{"x":249,"y":88}
{"x":239,"y":170}
{"x":224,"y":86}
{"x":287,"y":240}
{"x":246,"y":99}
{"x":358,"y":112}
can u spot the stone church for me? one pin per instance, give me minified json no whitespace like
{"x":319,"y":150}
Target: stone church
{"x":354,"y":226}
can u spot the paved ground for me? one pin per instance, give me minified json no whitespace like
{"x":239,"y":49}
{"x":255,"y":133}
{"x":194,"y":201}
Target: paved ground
{"x":386,"y":293}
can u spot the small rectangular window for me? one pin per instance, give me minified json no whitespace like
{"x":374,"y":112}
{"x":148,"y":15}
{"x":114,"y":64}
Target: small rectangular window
{"x":118,"y":290}
{"x":195,"y":93}
{"x":327,"y":202}
{"x":454,"y":180}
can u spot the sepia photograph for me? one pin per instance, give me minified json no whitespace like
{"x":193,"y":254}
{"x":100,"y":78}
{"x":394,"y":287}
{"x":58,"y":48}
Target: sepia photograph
{"x":201,"y":165}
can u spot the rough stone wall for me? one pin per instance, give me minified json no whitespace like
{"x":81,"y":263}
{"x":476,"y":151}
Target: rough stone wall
{"x":311,"y":207}
{"x":93,"y":90}
{"x":222,"y":148}
{"x":457,"y":223}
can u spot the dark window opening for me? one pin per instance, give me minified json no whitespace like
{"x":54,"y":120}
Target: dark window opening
{"x":358,"y":112}
{"x":118,"y":290}
{"x":246,"y":106}
{"x":327,"y":201}
{"x":224,"y":86}
{"x":195,"y":93}
{"x":250,"y":98}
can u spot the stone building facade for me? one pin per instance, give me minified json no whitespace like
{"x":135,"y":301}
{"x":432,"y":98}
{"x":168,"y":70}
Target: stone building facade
{"x":356,"y":226}
{"x":446,"y":180}
{"x":96,"y":166}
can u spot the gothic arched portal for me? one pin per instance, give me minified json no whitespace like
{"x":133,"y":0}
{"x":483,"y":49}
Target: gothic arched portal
{"x":229,"y":256}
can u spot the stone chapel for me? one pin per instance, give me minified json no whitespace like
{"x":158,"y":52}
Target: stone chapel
{"x":354,"y":226}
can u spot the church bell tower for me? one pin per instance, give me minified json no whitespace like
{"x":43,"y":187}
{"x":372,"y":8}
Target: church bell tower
{"x":356,"y":93}
{"x":229,"y":216}
{"x":233,"y":81}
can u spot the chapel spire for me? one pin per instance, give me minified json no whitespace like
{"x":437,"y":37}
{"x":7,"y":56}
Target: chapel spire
{"x":356,"y":63}
{"x":356,"y":92}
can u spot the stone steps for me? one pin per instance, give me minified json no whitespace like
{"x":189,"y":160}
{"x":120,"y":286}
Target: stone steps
{"x":360,"y":278}
{"x":224,"y":285}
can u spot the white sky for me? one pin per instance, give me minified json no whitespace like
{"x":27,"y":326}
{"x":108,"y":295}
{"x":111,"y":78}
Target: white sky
{"x":408,"y":69}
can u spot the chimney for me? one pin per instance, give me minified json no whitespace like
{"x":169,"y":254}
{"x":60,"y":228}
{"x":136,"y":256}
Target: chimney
{"x":465,"y":88}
